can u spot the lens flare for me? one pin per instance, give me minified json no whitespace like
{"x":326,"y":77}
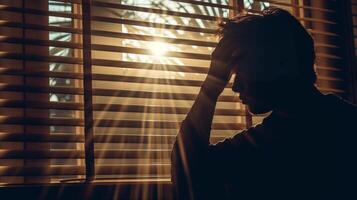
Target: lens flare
{"x":159,"y":48}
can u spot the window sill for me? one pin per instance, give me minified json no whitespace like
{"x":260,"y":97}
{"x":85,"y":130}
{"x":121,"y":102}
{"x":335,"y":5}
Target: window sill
{"x":96,"y":190}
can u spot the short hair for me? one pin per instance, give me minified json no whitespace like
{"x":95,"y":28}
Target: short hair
{"x":276,"y":21}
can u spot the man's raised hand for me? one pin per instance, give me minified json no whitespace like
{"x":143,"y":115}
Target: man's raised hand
{"x":220,"y":69}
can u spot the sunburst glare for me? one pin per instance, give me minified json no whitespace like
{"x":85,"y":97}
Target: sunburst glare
{"x":159,"y":48}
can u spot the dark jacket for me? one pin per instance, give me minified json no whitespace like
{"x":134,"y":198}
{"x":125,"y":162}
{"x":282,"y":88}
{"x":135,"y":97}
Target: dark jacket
{"x":310,"y":156}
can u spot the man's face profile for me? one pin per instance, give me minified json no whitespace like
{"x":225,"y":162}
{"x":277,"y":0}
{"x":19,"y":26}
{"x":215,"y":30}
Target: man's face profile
{"x":256,"y":76}
{"x":254,"y":95}
{"x":268,"y":59}
{"x":262,"y":65}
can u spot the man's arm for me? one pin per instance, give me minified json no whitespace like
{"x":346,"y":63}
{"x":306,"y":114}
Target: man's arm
{"x":191,"y":147}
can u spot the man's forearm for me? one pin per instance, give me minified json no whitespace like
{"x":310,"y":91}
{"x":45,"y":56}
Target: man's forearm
{"x":189,"y":151}
{"x":201,"y":113}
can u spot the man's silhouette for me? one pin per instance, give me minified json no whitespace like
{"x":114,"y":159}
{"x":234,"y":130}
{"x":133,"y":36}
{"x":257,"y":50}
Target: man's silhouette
{"x":305,"y":148}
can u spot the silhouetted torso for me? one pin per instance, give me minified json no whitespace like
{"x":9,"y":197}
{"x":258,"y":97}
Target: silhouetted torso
{"x":309,"y":156}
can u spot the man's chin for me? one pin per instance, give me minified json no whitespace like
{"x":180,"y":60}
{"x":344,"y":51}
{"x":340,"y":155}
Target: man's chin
{"x":256,"y":110}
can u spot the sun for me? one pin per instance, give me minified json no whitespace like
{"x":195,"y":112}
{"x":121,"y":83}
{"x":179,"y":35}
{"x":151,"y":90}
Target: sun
{"x":159,"y":48}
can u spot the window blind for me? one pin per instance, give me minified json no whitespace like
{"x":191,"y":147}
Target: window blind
{"x":41,"y":95}
{"x":149,"y":59}
{"x":352,"y":23}
{"x":97,"y":89}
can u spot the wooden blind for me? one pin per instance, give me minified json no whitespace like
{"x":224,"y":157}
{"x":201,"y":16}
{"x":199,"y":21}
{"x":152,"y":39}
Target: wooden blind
{"x":41,"y":95}
{"x":352,"y":23}
{"x":97,"y":89}
{"x":149,"y":59}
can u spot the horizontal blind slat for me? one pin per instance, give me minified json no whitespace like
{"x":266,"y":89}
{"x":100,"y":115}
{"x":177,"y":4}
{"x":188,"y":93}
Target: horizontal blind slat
{"x":39,"y":12}
{"x":145,"y":51}
{"x":111,"y":123}
{"x":102,"y":154}
{"x":38,"y":89}
{"x":41,"y":171}
{"x":20,"y":25}
{"x":111,"y":92}
{"x":40,"y":137}
{"x":159,"y":124}
{"x":156,"y":95}
{"x":37,"y":73}
{"x":38,"y":154}
{"x":98,"y":138}
{"x":30,"y":41}
{"x":30,"y":57}
{"x":41,"y":121}
{"x":153,"y":10}
{"x":77,"y":170}
{"x":152,"y":38}
{"x":112,"y":107}
{"x":150,"y":66}
{"x":41,"y":104}
{"x":152,"y":24}
{"x":203,"y":3}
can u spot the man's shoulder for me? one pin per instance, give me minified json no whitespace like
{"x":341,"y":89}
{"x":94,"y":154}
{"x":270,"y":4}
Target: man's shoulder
{"x":253,"y":136}
{"x":341,"y":108}
{"x":339,"y":118}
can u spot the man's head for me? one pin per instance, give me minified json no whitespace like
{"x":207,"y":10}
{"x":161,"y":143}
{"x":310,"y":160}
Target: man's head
{"x":274,"y":53}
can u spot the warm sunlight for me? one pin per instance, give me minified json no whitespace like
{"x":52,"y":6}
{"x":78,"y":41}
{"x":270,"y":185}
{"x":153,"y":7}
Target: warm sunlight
{"x":159,"y":48}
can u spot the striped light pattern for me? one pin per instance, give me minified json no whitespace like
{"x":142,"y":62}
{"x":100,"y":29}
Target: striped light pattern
{"x":146,"y":59}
